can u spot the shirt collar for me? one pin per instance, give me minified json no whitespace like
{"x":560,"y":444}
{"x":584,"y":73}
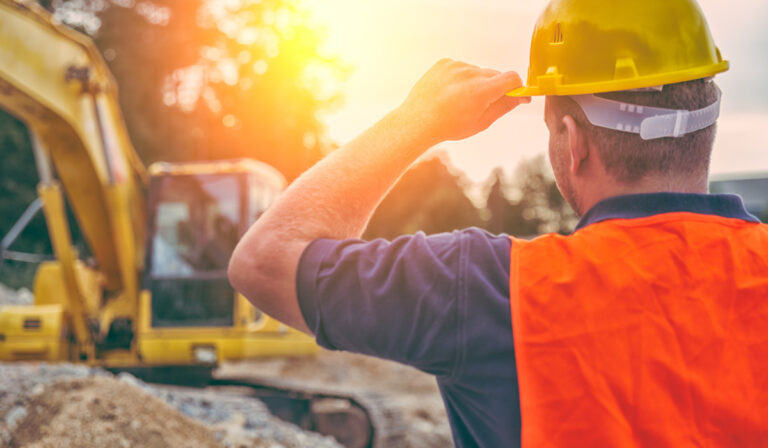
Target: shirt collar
{"x":645,"y":205}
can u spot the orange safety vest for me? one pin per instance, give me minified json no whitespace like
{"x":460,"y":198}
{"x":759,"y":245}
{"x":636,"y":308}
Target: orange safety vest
{"x":643,"y":332}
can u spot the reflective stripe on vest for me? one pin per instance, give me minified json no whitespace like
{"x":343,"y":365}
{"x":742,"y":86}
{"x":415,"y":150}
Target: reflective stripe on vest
{"x":643,"y":332}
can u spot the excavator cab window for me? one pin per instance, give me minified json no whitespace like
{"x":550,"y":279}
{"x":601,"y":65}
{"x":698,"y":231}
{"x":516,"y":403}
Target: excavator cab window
{"x":261,"y":194}
{"x":196,"y":221}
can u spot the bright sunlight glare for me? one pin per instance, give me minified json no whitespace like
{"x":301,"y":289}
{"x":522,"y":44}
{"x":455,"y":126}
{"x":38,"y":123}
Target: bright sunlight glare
{"x":390,"y":44}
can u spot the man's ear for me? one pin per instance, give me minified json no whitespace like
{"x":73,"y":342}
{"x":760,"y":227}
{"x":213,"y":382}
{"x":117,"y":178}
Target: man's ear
{"x":578,"y":145}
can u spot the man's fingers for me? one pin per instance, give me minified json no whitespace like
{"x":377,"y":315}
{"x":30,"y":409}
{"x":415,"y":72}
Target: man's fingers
{"x":461,"y":99}
{"x":501,"y":84}
{"x":473,"y":74}
{"x":500,"y":108}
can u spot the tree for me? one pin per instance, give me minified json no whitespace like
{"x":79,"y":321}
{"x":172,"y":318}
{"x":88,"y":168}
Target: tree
{"x":430,"y":197}
{"x":17,"y":191}
{"x":198,"y":79}
{"x":202,"y":79}
{"x":504,"y":216}
{"x":529,"y":206}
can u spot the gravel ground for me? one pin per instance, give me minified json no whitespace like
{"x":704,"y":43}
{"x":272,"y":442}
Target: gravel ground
{"x":45,"y":405}
{"x":413,"y":393}
{"x":233,"y":421}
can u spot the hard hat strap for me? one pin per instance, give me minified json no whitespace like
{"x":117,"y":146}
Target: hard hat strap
{"x":650,"y":122}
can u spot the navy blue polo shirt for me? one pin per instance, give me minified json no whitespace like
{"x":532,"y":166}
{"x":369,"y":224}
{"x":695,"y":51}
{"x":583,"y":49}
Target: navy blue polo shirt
{"x":441,"y":304}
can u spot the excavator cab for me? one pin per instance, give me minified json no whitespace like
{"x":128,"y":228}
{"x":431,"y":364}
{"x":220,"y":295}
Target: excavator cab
{"x":197,"y":214}
{"x":190,"y":313}
{"x":197,"y":219}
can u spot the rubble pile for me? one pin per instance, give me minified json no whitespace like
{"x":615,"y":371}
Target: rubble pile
{"x":65,"y":405}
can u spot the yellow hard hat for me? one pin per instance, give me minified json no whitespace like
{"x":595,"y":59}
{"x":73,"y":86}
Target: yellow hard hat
{"x":592,"y":46}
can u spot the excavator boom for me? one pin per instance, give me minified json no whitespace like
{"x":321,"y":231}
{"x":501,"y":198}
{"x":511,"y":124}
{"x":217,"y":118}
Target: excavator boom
{"x":55,"y":81}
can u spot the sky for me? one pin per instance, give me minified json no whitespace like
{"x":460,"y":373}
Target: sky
{"x":389,"y":45}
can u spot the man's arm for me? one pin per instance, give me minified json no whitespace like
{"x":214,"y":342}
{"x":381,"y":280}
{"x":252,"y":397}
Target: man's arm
{"x":336,"y":198}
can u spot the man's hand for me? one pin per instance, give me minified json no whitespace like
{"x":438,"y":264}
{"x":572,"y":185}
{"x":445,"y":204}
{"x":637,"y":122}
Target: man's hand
{"x":455,"y":100}
{"x":336,"y":198}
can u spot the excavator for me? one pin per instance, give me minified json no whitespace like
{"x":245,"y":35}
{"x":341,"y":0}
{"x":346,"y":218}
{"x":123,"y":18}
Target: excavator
{"x":151,"y":297}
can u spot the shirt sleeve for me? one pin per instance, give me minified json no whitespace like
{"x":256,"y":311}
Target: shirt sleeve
{"x":395,"y":300}
{"x":403,"y":300}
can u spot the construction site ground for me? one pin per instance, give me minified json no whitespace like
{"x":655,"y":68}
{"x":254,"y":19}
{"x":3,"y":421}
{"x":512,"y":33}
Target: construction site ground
{"x":413,"y":393}
{"x":50,"y":406}
{"x":64,"y":405}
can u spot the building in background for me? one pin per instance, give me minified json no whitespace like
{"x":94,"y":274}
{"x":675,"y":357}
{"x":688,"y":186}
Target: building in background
{"x":753,"y":189}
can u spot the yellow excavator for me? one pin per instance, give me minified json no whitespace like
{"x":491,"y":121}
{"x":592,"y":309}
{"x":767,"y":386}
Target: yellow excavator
{"x":152,"y":297}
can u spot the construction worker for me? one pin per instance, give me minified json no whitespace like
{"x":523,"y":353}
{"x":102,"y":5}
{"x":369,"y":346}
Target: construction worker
{"x":648,"y":326}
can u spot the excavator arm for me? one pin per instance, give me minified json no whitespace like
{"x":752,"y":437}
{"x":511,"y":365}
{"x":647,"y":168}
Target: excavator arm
{"x":56,"y":82}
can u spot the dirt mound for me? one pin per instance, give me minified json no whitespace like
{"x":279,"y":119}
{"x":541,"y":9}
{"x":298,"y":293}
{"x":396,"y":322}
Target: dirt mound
{"x":105,"y":412}
{"x":65,"y":405}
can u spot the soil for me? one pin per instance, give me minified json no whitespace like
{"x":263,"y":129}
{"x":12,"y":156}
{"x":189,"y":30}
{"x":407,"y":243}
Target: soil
{"x":105,"y":412}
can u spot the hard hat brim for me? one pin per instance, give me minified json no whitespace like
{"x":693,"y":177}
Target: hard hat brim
{"x":536,"y":88}
{"x":524,"y":91}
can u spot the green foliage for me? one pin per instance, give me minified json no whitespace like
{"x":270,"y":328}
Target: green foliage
{"x":204,"y":80}
{"x":505,"y":216}
{"x":531,"y":204}
{"x":17,"y":190}
{"x":432,"y":198}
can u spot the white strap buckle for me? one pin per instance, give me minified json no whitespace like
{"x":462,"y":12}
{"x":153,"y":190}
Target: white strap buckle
{"x":650,"y":122}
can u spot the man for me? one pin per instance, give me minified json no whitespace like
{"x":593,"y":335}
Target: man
{"x":646,"y":327}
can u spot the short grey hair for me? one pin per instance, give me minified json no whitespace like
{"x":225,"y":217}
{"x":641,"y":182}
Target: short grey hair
{"x":627,"y":157}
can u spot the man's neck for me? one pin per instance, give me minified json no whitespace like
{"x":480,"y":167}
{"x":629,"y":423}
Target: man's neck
{"x":605,"y":190}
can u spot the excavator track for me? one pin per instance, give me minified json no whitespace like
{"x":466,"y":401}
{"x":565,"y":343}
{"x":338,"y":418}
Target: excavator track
{"x":356,"y":418}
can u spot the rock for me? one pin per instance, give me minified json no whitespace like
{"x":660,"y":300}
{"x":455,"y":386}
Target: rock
{"x":25,"y":296}
{"x":10,"y":296}
{"x":14,"y":416}
{"x":129,"y":379}
{"x":37,"y":390}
